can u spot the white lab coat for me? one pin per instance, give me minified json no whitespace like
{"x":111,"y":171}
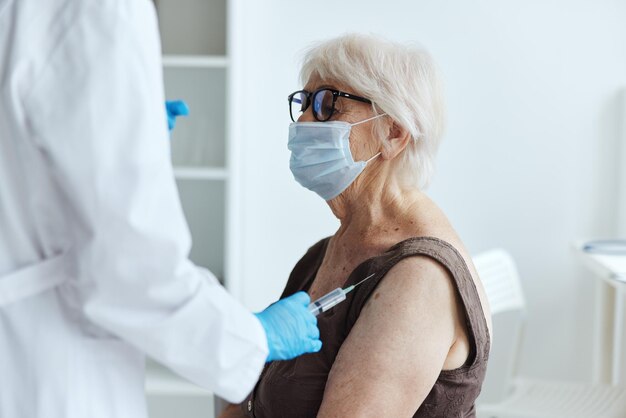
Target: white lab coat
{"x":93,"y":243}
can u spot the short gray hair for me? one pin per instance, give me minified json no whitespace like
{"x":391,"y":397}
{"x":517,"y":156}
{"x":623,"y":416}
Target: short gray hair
{"x":401,"y":80}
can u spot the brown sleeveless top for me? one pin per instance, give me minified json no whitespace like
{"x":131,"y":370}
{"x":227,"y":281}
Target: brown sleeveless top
{"x":295,"y":388}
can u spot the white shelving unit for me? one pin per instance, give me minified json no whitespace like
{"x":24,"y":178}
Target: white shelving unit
{"x":200,"y":173}
{"x":196,"y":69}
{"x":191,"y":61}
{"x":621,"y":197}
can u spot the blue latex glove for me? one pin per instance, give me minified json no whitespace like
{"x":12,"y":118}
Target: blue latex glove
{"x":290,"y":328}
{"x":174,"y":109}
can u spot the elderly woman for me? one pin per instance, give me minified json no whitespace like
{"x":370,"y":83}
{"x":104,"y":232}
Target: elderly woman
{"x":413,"y":340}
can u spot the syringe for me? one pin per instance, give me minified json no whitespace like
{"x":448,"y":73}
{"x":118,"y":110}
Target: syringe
{"x":333,"y":298}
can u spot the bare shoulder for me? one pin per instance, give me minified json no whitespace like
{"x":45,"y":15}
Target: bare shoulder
{"x":417,"y":284}
{"x":416,"y":272}
{"x":430,"y":221}
{"x":403,"y":334}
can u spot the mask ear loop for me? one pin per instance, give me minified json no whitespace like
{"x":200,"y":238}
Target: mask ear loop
{"x":368,"y":119}
{"x":374,"y":157}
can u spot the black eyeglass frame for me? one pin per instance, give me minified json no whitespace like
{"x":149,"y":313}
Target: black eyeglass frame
{"x":310,"y":98}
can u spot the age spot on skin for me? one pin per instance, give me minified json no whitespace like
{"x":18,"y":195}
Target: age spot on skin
{"x":376,"y":295}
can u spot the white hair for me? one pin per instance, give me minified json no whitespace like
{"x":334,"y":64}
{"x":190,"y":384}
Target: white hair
{"x":401,"y":81}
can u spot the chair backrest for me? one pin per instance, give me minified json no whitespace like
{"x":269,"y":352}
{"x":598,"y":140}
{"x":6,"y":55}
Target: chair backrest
{"x":498,"y":273}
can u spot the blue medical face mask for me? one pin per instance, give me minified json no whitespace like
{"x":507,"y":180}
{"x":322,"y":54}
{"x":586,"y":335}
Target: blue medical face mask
{"x":321,"y":159}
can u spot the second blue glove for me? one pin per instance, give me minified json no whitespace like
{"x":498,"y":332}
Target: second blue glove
{"x":174,"y":109}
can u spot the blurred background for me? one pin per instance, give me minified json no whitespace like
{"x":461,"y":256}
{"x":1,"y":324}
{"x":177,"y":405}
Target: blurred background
{"x":530,"y":161}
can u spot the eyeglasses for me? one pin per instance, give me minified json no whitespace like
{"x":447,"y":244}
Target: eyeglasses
{"x":323,"y":102}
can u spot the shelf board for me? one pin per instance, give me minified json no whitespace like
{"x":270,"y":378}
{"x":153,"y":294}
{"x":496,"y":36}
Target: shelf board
{"x":162,"y":382}
{"x":195,"y":61}
{"x":200,"y":173}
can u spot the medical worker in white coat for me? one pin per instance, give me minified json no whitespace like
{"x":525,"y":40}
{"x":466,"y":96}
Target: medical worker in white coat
{"x":93,"y":244}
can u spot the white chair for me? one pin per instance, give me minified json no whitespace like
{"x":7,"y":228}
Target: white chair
{"x":504,"y":394}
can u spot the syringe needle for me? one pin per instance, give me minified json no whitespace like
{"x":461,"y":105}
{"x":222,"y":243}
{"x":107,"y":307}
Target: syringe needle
{"x":351,"y":288}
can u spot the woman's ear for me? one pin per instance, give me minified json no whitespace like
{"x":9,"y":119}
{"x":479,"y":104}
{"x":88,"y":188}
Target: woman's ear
{"x":397,"y":140}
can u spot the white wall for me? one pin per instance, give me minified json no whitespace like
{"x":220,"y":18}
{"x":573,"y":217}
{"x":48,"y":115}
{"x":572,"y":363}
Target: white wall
{"x":528,"y":162}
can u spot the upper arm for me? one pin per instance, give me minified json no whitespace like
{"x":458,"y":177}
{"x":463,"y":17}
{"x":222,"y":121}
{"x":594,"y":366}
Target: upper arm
{"x":397,"y":348}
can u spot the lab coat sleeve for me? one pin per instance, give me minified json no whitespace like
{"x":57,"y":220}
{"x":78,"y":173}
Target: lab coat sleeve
{"x":96,"y":110}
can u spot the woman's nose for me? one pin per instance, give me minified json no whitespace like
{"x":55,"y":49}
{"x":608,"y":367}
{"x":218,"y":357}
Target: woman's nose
{"x":307,"y":116}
